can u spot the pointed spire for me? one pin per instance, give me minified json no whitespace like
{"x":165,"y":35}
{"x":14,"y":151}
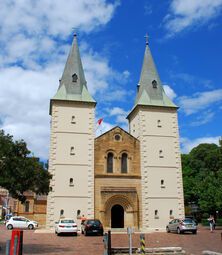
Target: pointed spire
{"x":73,"y":83}
{"x":150,"y":90}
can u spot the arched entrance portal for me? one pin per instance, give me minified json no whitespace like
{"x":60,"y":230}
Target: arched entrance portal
{"x":117,"y":216}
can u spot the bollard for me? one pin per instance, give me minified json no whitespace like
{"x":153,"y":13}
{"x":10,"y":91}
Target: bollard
{"x":7,"y":250}
{"x":105,"y":242}
{"x":16,"y":243}
{"x":109,"y":243}
{"x":142,"y":243}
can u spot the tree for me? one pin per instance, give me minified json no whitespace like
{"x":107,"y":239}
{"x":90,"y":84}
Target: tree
{"x":19,"y":172}
{"x":202,"y":176}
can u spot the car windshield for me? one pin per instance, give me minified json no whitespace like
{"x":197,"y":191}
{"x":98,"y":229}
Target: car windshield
{"x":189,"y":221}
{"x":67,"y":221}
{"x":95,"y":222}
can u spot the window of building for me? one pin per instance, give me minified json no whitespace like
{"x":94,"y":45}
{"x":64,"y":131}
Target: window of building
{"x":26,"y":205}
{"x":71,"y":183}
{"x":159,"y":123}
{"x":154,"y":83}
{"x":162,"y":184}
{"x":156,"y":216}
{"x":160,"y":153}
{"x":124,"y":163}
{"x":72,"y":151}
{"x":110,"y":162}
{"x":61,"y":212}
{"x":171,"y":212}
{"x":73,"y":120}
{"x":78,"y":214}
{"x":117,"y":137}
{"x":74,"y":77}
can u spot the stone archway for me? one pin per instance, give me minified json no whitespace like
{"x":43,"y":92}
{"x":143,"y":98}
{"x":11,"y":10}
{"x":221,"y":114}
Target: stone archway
{"x":117,"y":216}
{"x":119,"y":212}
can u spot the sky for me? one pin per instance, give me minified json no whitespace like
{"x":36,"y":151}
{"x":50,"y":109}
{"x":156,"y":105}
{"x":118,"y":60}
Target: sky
{"x":185,"y":39}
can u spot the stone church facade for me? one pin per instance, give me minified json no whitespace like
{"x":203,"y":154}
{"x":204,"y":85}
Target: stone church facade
{"x":122,"y":178}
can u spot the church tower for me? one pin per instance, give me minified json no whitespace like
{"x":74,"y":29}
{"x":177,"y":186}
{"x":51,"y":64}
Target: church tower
{"x":153,"y":120}
{"x":71,"y":160}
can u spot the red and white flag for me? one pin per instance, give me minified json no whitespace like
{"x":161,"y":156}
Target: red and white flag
{"x":100,"y":121}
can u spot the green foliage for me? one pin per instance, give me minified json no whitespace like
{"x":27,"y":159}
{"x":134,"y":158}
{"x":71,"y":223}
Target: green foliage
{"x":18,"y":171}
{"x":202,"y":177}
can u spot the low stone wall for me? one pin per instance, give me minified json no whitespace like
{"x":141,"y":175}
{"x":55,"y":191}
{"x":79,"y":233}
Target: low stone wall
{"x":211,"y":253}
{"x":150,"y":251}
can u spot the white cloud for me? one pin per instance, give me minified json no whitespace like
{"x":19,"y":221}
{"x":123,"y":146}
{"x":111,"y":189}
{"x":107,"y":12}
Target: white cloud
{"x":29,"y":29}
{"x":187,"y":145}
{"x":24,"y":104}
{"x":103,"y":127}
{"x":203,"y":118}
{"x":32,"y":59}
{"x":117,"y":111}
{"x":190,"y":13}
{"x":200,"y":101}
{"x":169,"y":92}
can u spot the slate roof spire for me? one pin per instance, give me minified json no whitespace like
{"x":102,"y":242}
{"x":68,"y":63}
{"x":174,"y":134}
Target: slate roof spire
{"x":73,"y":85}
{"x":150,"y":90}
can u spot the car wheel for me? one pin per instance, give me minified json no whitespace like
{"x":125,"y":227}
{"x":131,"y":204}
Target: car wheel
{"x":194,"y":232}
{"x":167,"y":230}
{"x":30,"y":226}
{"x":58,"y":234}
{"x":9,"y":227}
{"x":179,"y":231}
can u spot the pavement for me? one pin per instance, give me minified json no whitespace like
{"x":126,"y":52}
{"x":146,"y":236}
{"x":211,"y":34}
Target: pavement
{"x":44,"y":242}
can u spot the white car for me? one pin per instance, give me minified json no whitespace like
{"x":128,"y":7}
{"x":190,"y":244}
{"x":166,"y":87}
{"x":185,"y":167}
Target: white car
{"x":20,"y":222}
{"x":66,"y":226}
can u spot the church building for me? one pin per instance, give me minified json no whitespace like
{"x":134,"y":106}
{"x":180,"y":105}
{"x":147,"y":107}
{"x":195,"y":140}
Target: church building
{"x":125,"y":179}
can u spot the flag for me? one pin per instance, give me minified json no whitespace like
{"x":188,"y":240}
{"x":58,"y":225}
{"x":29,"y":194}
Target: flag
{"x":100,"y":121}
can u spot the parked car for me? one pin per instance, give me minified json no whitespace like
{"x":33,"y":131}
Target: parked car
{"x":21,"y":222}
{"x":66,"y":226}
{"x":181,"y":226}
{"x":92,"y":226}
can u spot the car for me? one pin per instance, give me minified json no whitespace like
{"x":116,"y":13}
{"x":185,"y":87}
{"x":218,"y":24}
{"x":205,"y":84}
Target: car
{"x":21,"y":222}
{"x":66,"y":226}
{"x":181,"y":226}
{"x":92,"y":226}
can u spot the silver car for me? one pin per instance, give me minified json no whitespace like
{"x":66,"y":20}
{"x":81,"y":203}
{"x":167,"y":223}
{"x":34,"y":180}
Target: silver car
{"x":181,"y":226}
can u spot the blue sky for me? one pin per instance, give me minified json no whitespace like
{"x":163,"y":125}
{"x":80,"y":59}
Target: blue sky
{"x":184,"y":37}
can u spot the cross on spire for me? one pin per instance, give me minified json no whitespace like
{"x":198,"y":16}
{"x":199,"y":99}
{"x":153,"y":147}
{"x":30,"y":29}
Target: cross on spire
{"x":74,"y":31}
{"x":147,"y":37}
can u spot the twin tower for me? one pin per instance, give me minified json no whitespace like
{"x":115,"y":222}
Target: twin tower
{"x":123,"y":178}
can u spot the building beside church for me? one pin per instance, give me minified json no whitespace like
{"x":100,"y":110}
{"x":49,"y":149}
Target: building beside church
{"x":123,"y":178}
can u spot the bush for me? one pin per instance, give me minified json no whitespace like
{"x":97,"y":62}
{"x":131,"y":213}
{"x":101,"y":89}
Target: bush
{"x":219,"y":222}
{"x":205,"y":222}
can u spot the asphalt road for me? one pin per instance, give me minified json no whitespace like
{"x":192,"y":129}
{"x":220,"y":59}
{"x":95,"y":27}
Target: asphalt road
{"x":50,"y":244}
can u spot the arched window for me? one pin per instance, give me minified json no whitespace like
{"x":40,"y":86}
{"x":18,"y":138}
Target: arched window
{"x":124,"y":163}
{"x":27,"y":203}
{"x":61,"y":212}
{"x":74,"y":77}
{"x":71,"y":183}
{"x":154,"y":83}
{"x":110,"y":162}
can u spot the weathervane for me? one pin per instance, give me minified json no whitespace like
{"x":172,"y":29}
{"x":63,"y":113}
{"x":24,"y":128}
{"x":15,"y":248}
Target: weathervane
{"x":147,"y":37}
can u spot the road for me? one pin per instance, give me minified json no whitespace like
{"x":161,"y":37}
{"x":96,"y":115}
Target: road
{"x":50,"y":244}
